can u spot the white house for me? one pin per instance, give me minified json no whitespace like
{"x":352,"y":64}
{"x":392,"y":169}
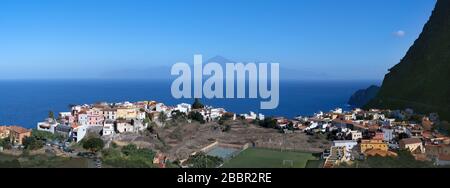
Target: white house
{"x":83,"y":119}
{"x":313,"y":125}
{"x":79,"y":133}
{"x":127,"y":104}
{"x":184,"y":108}
{"x":378,"y":116}
{"x":108,"y":128}
{"x":261,"y":116}
{"x":349,"y":144}
{"x":337,"y":111}
{"x":388,"y":134}
{"x":124,"y":126}
{"x":319,"y":114}
{"x":63,"y":115}
{"x":357,"y":110}
{"x":350,"y":116}
{"x":49,"y":125}
{"x":141,"y":115}
{"x":250,"y":116}
{"x":76,"y":108}
{"x":160,"y":107}
{"x":110,"y":114}
{"x":216,"y":112}
{"x":356,"y":135}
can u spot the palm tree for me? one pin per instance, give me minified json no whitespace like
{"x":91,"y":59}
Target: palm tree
{"x":51,"y":115}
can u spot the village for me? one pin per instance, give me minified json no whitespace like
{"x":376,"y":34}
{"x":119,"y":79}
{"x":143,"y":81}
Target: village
{"x":174,"y":136}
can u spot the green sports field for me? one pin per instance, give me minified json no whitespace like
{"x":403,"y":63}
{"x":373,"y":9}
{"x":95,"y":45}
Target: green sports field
{"x":267,"y":158}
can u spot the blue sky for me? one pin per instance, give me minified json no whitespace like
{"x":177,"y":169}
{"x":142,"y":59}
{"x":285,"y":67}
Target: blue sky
{"x":347,"y":39}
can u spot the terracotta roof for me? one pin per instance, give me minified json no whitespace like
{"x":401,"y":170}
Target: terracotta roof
{"x":342,"y":121}
{"x":410,"y":141}
{"x":18,"y":129}
{"x":3,"y":128}
{"x":372,"y":141}
{"x":382,"y":153}
{"x":110,"y":109}
{"x":444,"y":157}
{"x":427,"y":134}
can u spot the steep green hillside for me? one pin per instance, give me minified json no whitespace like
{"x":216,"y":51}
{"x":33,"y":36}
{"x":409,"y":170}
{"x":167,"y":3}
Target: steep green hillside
{"x":422,"y":78}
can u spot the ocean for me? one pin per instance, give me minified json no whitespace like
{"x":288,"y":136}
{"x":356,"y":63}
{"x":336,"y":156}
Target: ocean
{"x":26,"y":102}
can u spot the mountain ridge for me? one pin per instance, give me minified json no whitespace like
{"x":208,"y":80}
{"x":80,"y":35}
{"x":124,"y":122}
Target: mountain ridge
{"x":421,"y":80}
{"x":363,"y":96}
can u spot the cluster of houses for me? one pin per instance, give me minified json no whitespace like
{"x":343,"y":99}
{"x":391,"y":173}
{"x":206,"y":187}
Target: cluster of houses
{"x":358,"y":133}
{"x":110,"y":118}
{"x":355,"y":134}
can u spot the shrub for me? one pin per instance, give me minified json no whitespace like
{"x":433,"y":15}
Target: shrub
{"x":31,"y":143}
{"x":93,"y":144}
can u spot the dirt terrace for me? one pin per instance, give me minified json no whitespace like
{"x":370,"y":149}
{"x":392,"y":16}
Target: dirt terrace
{"x":178,"y":142}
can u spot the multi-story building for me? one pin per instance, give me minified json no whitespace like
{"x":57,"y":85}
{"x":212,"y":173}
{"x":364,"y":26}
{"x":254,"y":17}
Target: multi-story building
{"x":110,"y":114}
{"x":388,"y":134}
{"x":17,"y":134}
{"x":4,"y":132}
{"x":378,"y":136}
{"x":412,"y":144}
{"x":108,"y":128}
{"x":124,"y":126}
{"x":127,"y":113}
{"x":95,"y":117}
{"x":83,"y":118}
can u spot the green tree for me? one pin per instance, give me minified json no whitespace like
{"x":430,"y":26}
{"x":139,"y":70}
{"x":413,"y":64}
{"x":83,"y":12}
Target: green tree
{"x":44,"y":135}
{"x":93,"y":144}
{"x":51,"y":115}
{"x":178,"y":116}
{"x":5,"y":143}
{"x":129,"y":149}
{"x":197,"y":104}
{"x":268,"y":123}
{"x":201,"y":160}
{"x":147,"y":120}
{"x":290,"y":126}
{"x":227,"y":116}
{"x":197,"y":116}
{"x":151,"y":127}
{"x":31,"y":143}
